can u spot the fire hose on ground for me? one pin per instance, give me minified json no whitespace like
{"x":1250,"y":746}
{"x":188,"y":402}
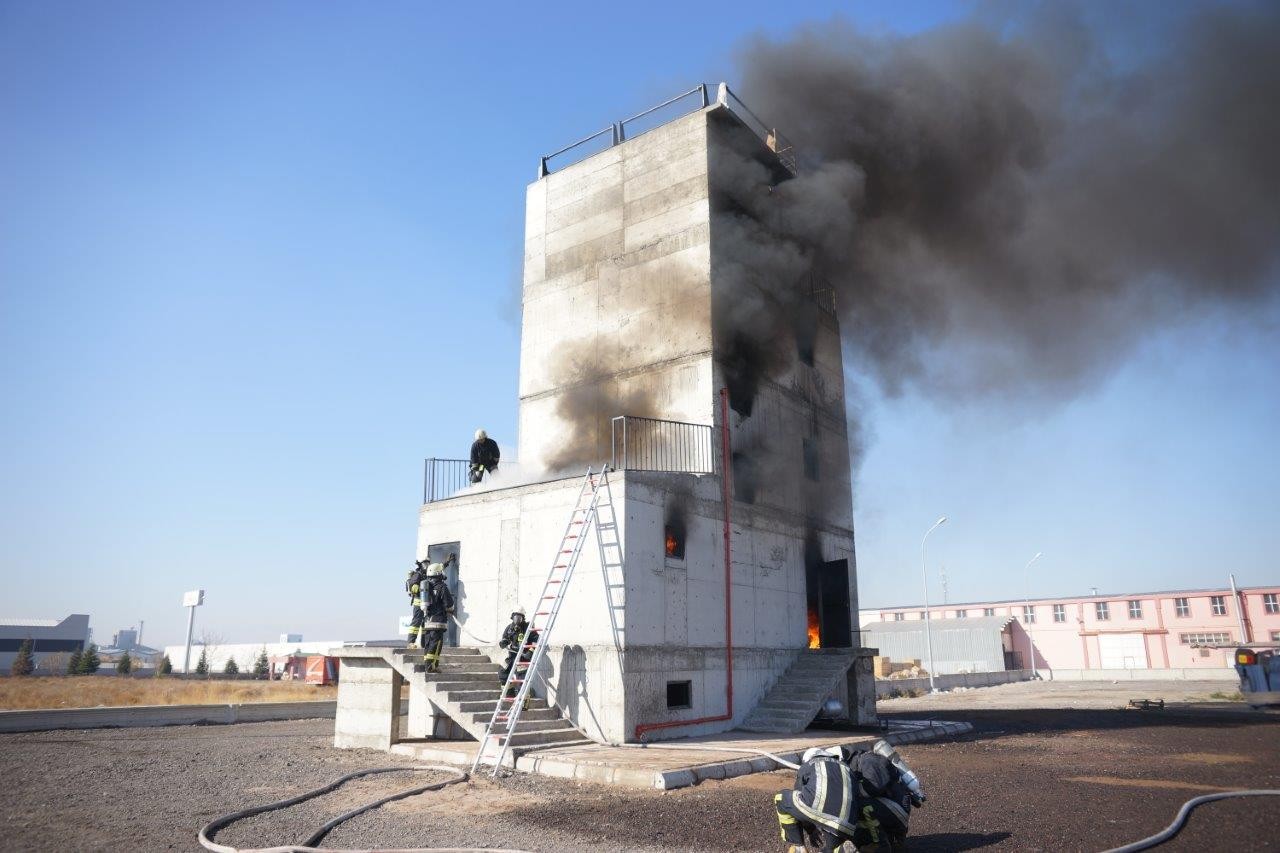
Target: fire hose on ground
{"x":209,"y":830}
{"x":1180,"y":821}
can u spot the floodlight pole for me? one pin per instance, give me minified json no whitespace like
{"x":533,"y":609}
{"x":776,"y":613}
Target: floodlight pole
{"x":928,"y":627}
{"x":1028,"y":618}
{"x":191,"y":600}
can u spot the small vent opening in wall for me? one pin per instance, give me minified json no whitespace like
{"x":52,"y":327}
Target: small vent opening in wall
{"x":679,"y":695}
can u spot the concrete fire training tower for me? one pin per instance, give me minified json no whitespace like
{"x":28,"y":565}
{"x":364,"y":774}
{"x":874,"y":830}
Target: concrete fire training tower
{"x":654,"y":289}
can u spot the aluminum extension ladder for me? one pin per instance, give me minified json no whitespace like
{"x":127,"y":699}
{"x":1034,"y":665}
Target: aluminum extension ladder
{"x":508,"y":708}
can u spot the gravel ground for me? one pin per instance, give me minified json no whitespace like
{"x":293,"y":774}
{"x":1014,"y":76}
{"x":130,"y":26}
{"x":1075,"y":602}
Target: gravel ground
{"x":1026,"y":780}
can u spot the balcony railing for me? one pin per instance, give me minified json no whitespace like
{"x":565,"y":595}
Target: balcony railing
{"x":443,"y":478}
{"x":697,"y":98}
{"x":650,"y":444}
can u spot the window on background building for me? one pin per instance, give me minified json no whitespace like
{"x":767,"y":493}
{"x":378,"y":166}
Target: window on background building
{"x":1059,"y":613}
{"x":1219,"y":605}
{"x":1135,"y":609}
{"x":1101,"y":611}
{"x":1204,"y":638}
{"x":1028,"y":614}
{"x":923,"y":616}
{"x":899,"y":617}
{"x":1182,"y":607}
{"x":988,"y":611}
{"x":1275,"y":636}
{"x":1270,"y":604}
{"x":962,"y":614}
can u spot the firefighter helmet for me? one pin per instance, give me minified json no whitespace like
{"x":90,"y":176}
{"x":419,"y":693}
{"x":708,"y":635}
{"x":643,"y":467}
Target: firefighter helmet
{"x":435,"y":570}
{"x":519,"y":611}
{"x":481,"y":435}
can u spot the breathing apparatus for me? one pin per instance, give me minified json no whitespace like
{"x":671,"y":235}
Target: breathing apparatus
{"x":886,"y":751}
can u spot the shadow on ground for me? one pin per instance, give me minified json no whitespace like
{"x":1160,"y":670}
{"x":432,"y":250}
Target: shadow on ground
{"x":949,"y":841}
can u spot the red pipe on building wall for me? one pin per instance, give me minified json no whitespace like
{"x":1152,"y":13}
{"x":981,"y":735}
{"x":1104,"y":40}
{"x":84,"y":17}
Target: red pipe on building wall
{"x":726,"y":495}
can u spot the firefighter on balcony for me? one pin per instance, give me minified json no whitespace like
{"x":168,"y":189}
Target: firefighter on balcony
{"x":484,"y":456}
{"x":843,"y":796}
{"x":414,"y":586}
{"x":437,"y":606}
{"x":517,"y":639}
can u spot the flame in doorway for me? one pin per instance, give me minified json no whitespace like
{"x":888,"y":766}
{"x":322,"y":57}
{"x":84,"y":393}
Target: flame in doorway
{"x":815,"y":641}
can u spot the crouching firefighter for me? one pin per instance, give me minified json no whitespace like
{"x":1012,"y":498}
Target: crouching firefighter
{"x":518,"y":640}
{"x":437,"y":606}
{"x":414,"y":586}
{"x":847,"y":800}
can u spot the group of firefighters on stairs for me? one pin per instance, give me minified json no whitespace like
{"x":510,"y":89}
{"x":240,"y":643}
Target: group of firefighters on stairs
{"x":843,"y":799}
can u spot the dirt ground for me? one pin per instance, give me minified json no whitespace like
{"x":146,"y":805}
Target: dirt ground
{"x":1025,"y":780}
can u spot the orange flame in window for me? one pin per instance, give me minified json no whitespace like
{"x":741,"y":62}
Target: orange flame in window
{"x":671,"y":544}
{"x":815,"y":641}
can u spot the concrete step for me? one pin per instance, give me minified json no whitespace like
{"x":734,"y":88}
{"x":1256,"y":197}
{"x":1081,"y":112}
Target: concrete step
{"x":526,"y":738}
{"x":529,"y":715}
{"x":489,"y":697}
{"x":796,"y":698}
{"x":527,"y":725}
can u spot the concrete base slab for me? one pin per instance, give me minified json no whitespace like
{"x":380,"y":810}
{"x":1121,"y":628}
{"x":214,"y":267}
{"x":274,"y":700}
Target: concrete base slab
{"x":680,"y":763}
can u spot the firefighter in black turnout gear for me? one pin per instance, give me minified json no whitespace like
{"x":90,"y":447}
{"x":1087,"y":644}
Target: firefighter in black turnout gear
{"x":517,"y":639}
{"x":484,"y":456}
{"x":437,"y":606}
{"x":413,"y":586}
{"x":847,"y":799}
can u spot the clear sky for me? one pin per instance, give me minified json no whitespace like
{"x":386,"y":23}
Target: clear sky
{"x":258,"y":260}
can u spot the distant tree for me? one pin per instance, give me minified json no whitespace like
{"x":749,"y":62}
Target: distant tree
{"x":89,"y":661}
{"x":261,"y":666}
{"x":124,"y":666}
{"x":165,"y":667}
{"x":24,"y":663}
{"x":232,"y":668}
{"x":73,"y":663}
{"x":202,"y":665}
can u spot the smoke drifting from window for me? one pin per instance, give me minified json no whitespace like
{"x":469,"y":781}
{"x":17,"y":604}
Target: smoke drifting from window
{"x":1012,"y":214}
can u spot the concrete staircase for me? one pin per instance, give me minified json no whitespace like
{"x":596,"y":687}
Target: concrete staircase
{"x":467,"y":689}
{"x":798,"y":695}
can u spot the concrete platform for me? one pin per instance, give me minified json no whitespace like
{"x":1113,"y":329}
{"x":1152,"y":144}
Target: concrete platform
{"x":680,"y":763}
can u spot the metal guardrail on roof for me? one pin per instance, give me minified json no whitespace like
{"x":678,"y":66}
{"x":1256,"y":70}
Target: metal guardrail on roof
{"x":443,"y":478}
{"x":650,"y":444}
{"x":697,"y":98}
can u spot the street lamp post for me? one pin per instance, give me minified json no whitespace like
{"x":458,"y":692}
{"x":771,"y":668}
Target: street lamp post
{"x":190,"y":600}
{"x":928,"y":627}
{"x":1027,"y":618}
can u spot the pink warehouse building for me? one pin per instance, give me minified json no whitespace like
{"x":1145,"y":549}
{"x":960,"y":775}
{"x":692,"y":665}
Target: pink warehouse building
{"x":1131,"y":631}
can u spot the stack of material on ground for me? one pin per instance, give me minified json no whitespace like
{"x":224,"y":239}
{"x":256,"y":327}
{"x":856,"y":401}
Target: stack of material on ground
{"x":883,"y":667}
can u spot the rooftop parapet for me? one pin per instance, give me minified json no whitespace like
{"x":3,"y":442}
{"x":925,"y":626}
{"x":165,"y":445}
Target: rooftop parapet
{"x":697,"y":98}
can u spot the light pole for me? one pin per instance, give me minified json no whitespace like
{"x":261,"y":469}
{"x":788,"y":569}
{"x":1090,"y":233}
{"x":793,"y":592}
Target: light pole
{"x":928,"y":628}
{"x":190,"y":600}
{"x":1027,"y":618}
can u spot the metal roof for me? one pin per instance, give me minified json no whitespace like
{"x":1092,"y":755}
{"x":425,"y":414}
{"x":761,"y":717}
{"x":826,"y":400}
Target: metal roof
{"x":992,"y":622}
{"x":30,"y":623}
{"x":1102,"y":596}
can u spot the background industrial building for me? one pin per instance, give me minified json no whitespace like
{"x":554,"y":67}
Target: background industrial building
{"x":1159,"y":633}
{"x":53,"y":640}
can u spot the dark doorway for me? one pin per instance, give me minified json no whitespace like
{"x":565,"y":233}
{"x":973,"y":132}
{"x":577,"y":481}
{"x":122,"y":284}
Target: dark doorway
{"x":438,"y":554}
{"x":835,"y":624}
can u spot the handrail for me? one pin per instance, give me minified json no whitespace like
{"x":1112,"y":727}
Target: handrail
{"x":442,"y":478}
{"x":653,"y":444}
{"x":724,"y":97}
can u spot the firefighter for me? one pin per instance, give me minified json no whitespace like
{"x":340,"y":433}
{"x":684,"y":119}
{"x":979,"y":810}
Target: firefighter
{"x":484,"y":456}
{"x":414,"y":585}
{"x":847,"y":797}
{"x":437,"y":606}
{"x":517,"y":639}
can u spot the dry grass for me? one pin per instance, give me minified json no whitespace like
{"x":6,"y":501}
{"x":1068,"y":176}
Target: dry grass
{"x":92,"y":691}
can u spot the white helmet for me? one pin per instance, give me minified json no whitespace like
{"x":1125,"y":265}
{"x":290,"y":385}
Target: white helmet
{"x":519,"y":610}
{"x":435,"y":570}
{"x":481,"y":435}
{"x":819,"y":752}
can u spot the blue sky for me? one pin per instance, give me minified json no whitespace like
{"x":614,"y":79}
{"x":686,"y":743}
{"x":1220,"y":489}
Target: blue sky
{"x":257,"y":261}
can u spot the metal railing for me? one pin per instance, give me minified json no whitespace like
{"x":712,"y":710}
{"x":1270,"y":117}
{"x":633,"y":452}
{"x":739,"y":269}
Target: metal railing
{"x":650,"y":444}
{"x":697,"y":98}
{"x":443,"y":478}
{"x":822,"y":293}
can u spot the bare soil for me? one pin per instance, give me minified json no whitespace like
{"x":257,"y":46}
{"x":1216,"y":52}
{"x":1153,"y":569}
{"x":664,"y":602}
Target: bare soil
{"x":1025,"y":780}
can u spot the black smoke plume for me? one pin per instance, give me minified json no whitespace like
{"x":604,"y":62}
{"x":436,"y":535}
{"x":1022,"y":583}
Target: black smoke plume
{"x":1003,"y":210}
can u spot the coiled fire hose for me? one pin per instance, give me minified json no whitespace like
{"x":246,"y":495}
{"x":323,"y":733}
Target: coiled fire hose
{"x":1178,"y":822}
{"x":308,"y":846}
